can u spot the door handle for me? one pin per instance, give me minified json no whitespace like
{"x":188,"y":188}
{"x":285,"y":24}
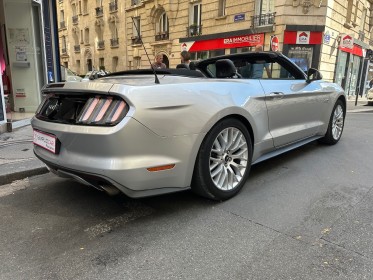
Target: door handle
{"x":276,"y":95}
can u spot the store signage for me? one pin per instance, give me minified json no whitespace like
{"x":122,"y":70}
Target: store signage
{"x":249,"y":40}
{"x":239,"y":17}
{"x":347,"y":41}
{"x":274,"y":43}
{"x":303,"y":37}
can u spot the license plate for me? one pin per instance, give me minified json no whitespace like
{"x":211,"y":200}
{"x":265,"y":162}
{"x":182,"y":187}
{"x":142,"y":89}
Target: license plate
{"x":46,"y":141}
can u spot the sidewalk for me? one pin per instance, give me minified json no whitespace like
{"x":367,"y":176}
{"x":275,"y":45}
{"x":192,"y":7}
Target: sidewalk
{"x":17,"y":160}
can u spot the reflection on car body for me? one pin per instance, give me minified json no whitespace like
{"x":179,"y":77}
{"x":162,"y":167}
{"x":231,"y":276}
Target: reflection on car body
{"x":200,"y":129}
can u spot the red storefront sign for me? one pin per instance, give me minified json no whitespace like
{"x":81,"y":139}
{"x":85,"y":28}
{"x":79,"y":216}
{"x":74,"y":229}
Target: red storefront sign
{"x":356,"y":50}
{"x":226,"y":43}
{"x":300,"y":37}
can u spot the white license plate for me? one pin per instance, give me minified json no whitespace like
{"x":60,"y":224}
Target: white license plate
{"x":46,"y":141}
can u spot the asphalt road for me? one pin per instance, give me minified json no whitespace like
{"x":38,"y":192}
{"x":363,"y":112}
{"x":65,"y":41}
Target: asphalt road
{"x":303,"y":215}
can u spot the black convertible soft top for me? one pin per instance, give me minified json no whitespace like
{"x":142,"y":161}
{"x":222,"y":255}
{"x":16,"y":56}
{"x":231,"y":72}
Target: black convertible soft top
{"x":167,"y":71}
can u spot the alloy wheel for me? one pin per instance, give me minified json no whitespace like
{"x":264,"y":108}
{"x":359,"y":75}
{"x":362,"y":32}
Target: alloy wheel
{"x":228,"y":158}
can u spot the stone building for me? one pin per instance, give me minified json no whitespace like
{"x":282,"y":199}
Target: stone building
{"x":331,"y":35}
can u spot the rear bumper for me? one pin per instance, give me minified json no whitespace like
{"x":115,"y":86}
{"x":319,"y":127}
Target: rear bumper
{"x":120,"y":156}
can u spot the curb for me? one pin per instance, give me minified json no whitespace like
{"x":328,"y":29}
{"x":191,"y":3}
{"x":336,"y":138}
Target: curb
{"x":20,"y":175}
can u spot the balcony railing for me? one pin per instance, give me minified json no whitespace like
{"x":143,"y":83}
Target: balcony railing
{"x":113,"y":6}
{"x":194,"y":30}
{"x":162,"y":36}
{"x":64,"y":51}
{"x":75,"y":19}
{"x":101,"y":44}
{"x":136,"y":40}
{"x":114,"y":42}
{"x":77,"y":48}
{"x":99,"y":11}
{"x":62,"y":24}
{"x":263,"y":19}
{"x":135,"y":2}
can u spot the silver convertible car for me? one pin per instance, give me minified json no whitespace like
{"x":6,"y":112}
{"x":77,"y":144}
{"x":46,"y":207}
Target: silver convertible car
{"x":149,"y":132}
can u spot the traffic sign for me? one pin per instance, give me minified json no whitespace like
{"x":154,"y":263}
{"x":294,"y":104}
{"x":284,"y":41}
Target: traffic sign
{"x":274,"y":43}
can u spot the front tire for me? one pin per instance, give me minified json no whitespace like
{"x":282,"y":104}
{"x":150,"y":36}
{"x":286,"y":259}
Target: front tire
{"x":224,"y":160}
{"x":336,"y":124}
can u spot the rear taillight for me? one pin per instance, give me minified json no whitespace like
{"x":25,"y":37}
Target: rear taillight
{"x":100,"y":110}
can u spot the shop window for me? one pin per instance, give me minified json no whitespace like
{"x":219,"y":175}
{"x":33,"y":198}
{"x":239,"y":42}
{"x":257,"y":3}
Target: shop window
{"x":241,"y":50}
{"x":301,"y":56}
{"x":221,"y":8}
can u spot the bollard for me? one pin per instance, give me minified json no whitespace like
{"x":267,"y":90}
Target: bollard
{"x":9,"y":126}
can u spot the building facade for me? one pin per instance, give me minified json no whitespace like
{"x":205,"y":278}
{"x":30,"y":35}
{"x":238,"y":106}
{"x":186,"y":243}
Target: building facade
{"x":331,"y":35}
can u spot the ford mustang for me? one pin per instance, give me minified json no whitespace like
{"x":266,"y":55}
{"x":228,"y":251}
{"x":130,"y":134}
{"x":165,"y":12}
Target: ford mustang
{"x":148,"y":132}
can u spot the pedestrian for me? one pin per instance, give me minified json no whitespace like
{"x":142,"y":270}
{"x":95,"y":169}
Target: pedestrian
{"x":258,"y":68}
{"x":158,"y":64}
{"x":185,"y":58}
{"x":371,"y":83}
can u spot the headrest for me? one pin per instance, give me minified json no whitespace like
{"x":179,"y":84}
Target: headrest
{"x":225,"y":68}
{"x":182,"y":66}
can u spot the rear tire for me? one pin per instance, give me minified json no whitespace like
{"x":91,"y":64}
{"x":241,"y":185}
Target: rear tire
{"x":336,"y":124}
{"x":223,"y":161}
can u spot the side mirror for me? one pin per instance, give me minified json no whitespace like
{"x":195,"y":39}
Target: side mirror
{"x":313,"y":75}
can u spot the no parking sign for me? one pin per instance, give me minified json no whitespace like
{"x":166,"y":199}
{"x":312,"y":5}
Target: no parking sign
{"x":274,"y":43}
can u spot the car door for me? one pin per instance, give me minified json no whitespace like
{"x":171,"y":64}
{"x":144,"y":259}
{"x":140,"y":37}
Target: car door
{"x":295,"y":108}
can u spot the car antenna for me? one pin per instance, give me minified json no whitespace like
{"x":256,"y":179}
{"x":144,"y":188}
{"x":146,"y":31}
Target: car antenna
{"x":142,"y":43}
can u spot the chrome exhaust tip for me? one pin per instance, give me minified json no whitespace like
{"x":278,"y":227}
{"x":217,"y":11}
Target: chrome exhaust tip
{"x":110,"y":190}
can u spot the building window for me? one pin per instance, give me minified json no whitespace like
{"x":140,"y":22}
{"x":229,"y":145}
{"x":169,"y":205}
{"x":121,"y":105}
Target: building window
{"x":62,"y":19}
{"x":100,"y":35}
{"x":63,"y":45}
{"x":264,"y":7}
{"x":86,"y":36}
{"x":78,"y":66}
{"x":81,"y":37}
{"x":80,"y":7}
{"x":264,"y":13}
{"x":101,"y":63}
{"x":115,"y":63}
{"x":85,"y":7}
{"x":114,"y":31}
{"x":136,"y":62}
{"x":163,"y":23}
{"x":221,"y":8}
{"x":162,"y":28}
{"x":113,"y":6}
{"x":76,"y":40}
{"x":75,"y":14}
{"x":195,"y":26}
{"x":135,"y":2}
{"x":136,"y":30}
